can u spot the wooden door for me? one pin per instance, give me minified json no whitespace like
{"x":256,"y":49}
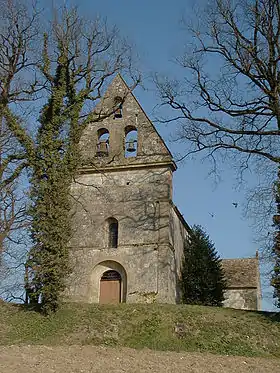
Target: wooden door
{"x":110,"y":288}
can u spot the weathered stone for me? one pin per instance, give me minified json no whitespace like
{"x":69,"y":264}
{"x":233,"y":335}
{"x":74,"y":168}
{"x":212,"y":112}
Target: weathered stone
{"x":134,"y":191}
{"x":243,"y":283}
{"x":137,"y":192}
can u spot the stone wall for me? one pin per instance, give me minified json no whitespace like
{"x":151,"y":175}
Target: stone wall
{"x":243,"y":283}
{"x":150,"y":146}
{"x":137,"y":192}
{"x":179,"y":231}
{"x":245,"y":299}
{"x":140,"y":201}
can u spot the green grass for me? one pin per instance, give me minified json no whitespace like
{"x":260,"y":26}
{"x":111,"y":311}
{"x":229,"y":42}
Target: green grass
{"x":215,"y":330}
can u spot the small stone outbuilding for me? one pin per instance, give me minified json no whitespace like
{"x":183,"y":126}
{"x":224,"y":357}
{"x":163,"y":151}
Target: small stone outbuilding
{"x":243,"y":281}
{"x":128,"y":236}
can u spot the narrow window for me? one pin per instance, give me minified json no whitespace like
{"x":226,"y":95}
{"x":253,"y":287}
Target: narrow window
{"x":131,"y":141}
{"x":103,"y":142}
{"x":113,"y":233}
{"x":118,"y":104}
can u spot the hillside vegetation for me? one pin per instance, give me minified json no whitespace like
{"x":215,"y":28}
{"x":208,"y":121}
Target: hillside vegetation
{"x":160,"y":327}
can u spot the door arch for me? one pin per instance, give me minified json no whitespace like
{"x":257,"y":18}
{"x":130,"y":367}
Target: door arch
{"x":98,"y":271}
{"x":110,"y":287}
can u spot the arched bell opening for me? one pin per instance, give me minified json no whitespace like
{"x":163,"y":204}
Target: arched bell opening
{"x":118,"y":114}
{"x":103,"y":142}
{"x":131,"y":141}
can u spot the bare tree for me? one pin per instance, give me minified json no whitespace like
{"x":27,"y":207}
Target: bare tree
{"x":18,"y":88}
{"x":13,"y":219}
{"x":228,"y":104}
{"x":18,"y":78}
{"x":237,"y":106}
{"x":78,"y":58}
{"x":13,"y":216}
{"x":14,"y":241}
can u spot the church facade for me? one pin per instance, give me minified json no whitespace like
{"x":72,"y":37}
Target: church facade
{"x":128,"y":237}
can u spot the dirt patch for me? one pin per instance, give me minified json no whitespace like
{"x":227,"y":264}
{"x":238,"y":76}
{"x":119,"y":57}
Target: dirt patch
{"x":85,"y":359}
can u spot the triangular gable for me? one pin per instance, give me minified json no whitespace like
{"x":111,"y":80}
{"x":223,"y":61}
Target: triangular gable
{"x":151,"y":149}
{"x":118,"y":87}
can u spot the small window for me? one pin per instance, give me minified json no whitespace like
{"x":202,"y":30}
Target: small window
{"x":118,"y":105}
{"x":103,"y":142}
{"x":113,"y":232}
{"x":131,"y":141}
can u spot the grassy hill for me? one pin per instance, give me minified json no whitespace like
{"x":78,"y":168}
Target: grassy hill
{"x":160,"y":327}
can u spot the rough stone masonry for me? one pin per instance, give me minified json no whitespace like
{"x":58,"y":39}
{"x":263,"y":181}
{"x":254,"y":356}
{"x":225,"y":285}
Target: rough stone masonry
{"x":128,"y":237}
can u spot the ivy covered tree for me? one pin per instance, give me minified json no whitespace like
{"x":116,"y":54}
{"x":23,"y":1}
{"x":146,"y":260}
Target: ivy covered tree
{"x":62,"y":84}
{"x":203,"y":281}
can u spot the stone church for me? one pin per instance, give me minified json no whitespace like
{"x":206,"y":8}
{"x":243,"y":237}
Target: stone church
{"x":128,"y":236}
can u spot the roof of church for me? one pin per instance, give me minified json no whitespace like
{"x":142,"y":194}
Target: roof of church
{"x":241,"y":273}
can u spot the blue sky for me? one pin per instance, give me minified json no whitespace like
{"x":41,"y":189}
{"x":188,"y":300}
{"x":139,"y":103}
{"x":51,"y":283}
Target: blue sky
{"x":154,"y":28}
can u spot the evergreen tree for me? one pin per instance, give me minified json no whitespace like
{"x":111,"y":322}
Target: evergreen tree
{"x":203,"y":280}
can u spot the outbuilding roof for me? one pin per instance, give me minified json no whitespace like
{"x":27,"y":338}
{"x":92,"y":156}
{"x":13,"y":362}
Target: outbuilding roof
{"x":241,"y":273}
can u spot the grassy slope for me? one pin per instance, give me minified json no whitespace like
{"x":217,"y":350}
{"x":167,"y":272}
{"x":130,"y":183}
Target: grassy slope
{"x":210,"y":329}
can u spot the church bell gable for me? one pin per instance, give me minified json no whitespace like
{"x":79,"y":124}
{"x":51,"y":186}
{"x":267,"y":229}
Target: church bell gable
{"x":126,"y":136}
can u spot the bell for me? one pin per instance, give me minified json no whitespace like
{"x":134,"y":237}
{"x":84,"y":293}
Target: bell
{"x":130,"y":146}
{"x":118,"y":112}
{"x":102,"y":147}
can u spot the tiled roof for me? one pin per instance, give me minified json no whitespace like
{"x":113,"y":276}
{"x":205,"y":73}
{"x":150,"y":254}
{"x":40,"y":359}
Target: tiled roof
{"x":241,"y":272}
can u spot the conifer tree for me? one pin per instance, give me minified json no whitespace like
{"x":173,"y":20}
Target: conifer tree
{"x":203,"y":280}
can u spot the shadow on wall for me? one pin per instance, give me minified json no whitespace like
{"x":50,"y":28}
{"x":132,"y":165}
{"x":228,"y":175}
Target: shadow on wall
{"x":137,"y":209}
{"x":123,"y":211}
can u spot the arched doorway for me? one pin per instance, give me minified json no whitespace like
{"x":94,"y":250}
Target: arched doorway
{"x":110,"y":287}
{"x":98,"y":271}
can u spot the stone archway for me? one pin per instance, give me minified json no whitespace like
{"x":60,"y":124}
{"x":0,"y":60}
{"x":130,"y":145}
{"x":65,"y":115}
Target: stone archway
{"x":109,"y":283}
